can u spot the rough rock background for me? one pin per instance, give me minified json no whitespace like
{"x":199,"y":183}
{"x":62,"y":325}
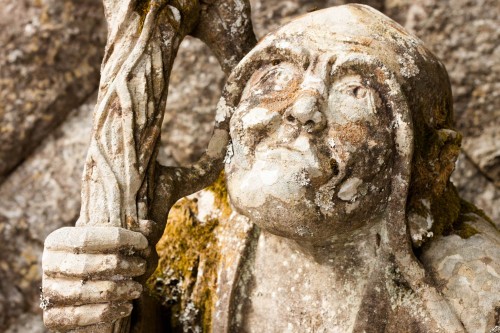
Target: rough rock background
{"x":49,"y":65}
{"x":50,"y":51}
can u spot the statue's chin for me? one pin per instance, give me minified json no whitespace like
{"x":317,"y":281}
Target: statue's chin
{"x":298,"y":220}
{"x":278,"y":194}
{"x":285,"y":184}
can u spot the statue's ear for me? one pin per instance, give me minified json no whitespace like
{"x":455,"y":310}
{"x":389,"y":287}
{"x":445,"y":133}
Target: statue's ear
{"x":440,"y":163}
{"x":448,"y":144}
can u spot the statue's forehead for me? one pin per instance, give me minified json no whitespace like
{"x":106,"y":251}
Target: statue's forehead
{"x":347,"y":31}
{"x":354,"y":21}
{"x":342,"y":20}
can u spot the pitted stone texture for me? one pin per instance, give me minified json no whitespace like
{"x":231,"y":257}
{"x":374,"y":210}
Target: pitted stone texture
{"x":303,"y":293}
{"x":43,"y":194}
{"x":196,"y":82}
{"x":357,"y":262}
{"x":484,"y":150}
{"x":460,"y":54}
{"x":28,"y":322}
{"x":91,"y":240}
{"x":49,"y":197}
{"x":119,"y":183}
{"x":73,"y":291}
{"x":49,"y":64}
{"x":85,"y":315}
{"x":87,"y":274}
{"x":467,"y":271}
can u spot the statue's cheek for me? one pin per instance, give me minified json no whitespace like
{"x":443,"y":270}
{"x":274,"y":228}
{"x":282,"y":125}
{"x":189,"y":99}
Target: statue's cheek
{"x":346,"y":140}
{"x":253,"y":124}
{"x":259,"y":120}
{"x":361,"y":140}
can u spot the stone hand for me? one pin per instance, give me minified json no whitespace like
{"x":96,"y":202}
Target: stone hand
{"x":87,"y":275}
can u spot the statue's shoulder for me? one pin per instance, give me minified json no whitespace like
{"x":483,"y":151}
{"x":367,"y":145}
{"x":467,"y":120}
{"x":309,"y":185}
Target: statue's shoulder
{"x":466,"y":268}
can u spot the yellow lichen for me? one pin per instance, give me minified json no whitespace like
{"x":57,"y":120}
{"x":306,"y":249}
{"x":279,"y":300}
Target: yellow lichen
{"x":189,"y":255}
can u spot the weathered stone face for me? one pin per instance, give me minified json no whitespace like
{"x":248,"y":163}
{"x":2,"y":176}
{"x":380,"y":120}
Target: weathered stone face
{"x":467,"y":50}
{"x":313,"y":141}
{"x":310,"y":142}
{"x":317,"y":63}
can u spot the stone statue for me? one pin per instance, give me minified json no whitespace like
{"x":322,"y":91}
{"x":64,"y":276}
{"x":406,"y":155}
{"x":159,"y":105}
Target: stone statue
{"x":341,"y":148}
{"x":342,"y":140}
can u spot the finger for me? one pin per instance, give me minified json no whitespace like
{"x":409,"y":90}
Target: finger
{"x":95,"y":239}
{"x":77,"y":292}
{"x":94,"y":266}
{"x":70,"y":317}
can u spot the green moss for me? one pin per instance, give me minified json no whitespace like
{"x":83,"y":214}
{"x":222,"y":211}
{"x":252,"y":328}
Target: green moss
{"x":464,"y":230}
{"x":468,"y":207}
{"x":218,"y":188}
{"x":451,"y":213}
{"x":445,"y":210}
{"x":188,"y":251}
{"x":142,"y":7}
{"x":433,"y":163}
{"x":468,"y":213}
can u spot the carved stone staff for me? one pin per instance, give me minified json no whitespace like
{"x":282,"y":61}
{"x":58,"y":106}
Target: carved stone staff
{"x":88,"y":269}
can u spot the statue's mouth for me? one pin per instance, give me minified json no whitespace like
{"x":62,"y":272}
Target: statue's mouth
{"x":301,"y":157}
{"x":292,"y":160}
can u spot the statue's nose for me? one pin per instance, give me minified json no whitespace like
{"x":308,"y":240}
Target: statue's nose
{"x":306,"y":111}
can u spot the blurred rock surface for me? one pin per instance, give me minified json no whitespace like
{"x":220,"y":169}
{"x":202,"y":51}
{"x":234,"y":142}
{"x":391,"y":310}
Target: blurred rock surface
{"x":43,"y":194}
{"x":50,"y":57}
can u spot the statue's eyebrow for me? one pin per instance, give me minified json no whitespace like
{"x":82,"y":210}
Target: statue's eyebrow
{"x":285,"y":51}
{"x":339,"y":69}
{"x":356,"y":65}
{"x":278,"y":51}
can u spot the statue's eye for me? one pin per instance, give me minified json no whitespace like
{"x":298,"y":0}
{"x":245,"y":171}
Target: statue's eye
{"x":353,"y":86}
{"x":355,"y":89}
{"x":275,"y":78}
{"x":352,"y":96}
{"x":268,"y":77}
{"x":359,"y":91}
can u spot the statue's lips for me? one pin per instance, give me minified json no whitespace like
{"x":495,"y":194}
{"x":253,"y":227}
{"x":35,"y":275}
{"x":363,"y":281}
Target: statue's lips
{"x":284,"y":153}
{"x":291,"y":160}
